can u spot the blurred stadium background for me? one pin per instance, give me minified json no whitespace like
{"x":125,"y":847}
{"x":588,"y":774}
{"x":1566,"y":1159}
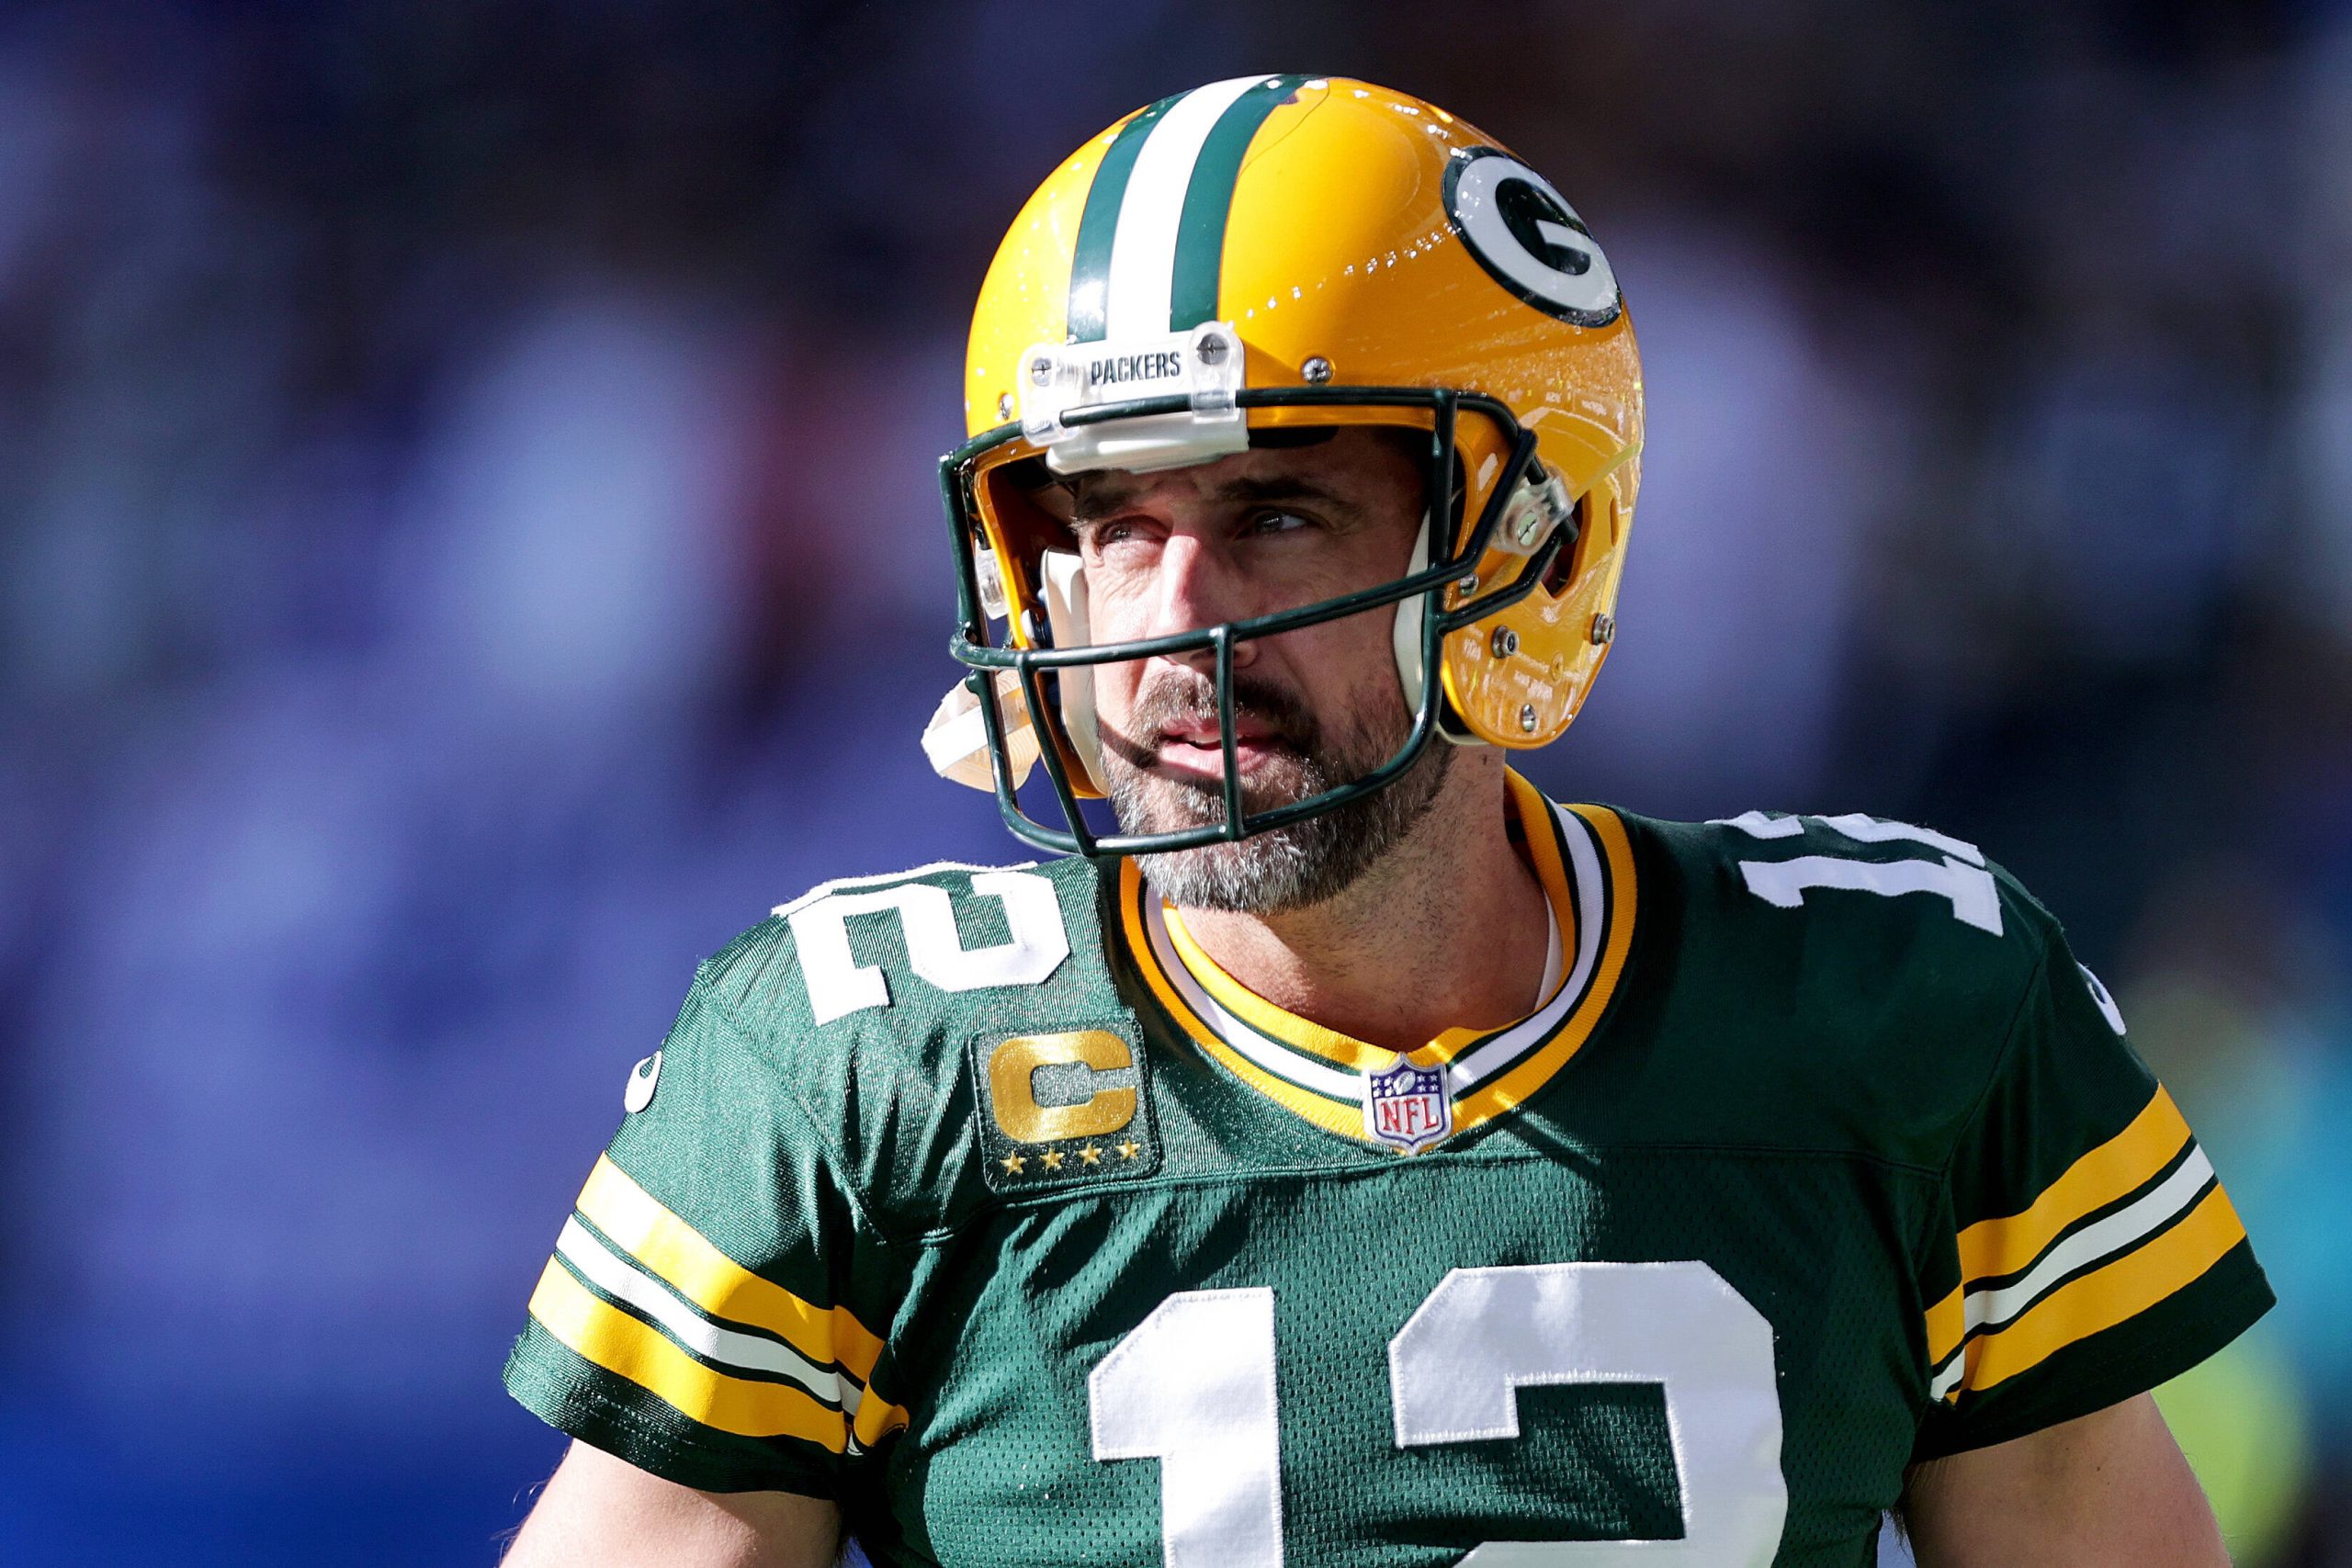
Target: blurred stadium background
{"x":468,"y":547}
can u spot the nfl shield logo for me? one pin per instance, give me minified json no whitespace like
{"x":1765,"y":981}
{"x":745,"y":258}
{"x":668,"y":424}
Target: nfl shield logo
{"x":1406,"y":1106}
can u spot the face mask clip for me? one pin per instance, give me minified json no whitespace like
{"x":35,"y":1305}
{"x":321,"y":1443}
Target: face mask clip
{"x":1540,"y":506}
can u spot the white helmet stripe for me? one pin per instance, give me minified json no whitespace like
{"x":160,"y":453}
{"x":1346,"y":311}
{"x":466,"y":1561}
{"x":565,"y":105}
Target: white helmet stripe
{"x":1143,"y":248}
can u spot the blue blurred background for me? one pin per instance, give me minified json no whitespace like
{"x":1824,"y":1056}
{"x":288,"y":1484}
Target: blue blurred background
{"x":468,"y":547}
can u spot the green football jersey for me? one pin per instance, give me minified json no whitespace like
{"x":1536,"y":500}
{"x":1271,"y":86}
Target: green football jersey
{"x":982,"y":1202}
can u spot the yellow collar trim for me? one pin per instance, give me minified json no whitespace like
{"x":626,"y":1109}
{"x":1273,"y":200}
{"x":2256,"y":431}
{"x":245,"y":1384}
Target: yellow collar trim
{"x":1533,"y":815}
{"x":1317,"y":1073}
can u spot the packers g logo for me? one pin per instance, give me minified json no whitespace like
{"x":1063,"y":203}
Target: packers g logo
{"x":1529,"y":239}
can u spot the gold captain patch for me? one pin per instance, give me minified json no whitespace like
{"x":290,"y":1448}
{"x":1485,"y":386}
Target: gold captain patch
{"x":1048,"y":1102}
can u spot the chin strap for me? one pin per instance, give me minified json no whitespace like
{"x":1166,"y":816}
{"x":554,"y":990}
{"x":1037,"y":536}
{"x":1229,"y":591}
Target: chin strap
{"x":1411,"y":615}
{"x":1538,"y":506}
{"x":1065,"y":585}
{"x":957,"y":738}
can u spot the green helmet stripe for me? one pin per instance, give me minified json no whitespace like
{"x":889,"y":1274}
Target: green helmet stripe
{"x":1199,"y":232}
{"x":1151,"y":238}
{"x":1090,"y":265}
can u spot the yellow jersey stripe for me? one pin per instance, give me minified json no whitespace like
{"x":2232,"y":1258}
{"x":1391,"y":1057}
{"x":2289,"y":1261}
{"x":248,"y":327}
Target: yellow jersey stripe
{"x":1491,"y":1099}
{"x":2107,"y":1295}
{"x":2111,"y":1235}
{"x":677,"y":1253}
{"x":627,"y":1347}
{"x":2007,"y":1246}
{"x":875,"y":1418}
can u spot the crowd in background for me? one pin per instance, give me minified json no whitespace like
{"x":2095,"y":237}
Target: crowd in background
{"x":468,"y":545}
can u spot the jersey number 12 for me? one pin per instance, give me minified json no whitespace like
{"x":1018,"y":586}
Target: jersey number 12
{"x":1193,"y":1387}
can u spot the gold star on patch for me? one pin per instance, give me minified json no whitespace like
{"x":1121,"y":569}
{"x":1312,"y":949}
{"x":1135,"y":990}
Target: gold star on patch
{"x":1051,"y":1159}
{"x":1129,"y":1148}
{"x":1012,"y":1163}
{"x":1091,"y":1154}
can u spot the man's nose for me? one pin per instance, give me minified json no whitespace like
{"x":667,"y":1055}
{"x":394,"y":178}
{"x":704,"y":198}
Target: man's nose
{"x":1201,"y":585}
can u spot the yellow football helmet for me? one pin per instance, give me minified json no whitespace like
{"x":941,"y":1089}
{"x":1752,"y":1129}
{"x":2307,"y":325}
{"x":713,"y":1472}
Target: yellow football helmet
{"x":1275,"y":251}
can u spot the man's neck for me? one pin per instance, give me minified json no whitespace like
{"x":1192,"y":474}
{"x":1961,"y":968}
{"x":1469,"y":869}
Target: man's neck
{"x":1447,"y":931}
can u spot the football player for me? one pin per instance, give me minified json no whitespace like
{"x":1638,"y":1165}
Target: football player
{"x":1354,"y":1157}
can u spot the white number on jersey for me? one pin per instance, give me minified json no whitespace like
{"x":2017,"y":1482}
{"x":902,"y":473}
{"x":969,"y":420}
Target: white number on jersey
{"x":838,"y":984}
{"x":1193,"y":1387}
{"x":1959,"y":877}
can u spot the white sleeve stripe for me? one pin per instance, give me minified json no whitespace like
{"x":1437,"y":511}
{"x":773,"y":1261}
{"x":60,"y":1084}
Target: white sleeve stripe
{"x":2117,"y":1234}
{"x":624,"y":1281}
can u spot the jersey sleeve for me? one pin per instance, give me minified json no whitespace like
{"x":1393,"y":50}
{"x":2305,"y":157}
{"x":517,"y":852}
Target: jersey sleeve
{"x":2088,"y":1252}
{"x":715,"y":1307}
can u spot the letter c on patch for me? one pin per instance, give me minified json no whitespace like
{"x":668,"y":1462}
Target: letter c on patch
{"x":1012,"y":1094}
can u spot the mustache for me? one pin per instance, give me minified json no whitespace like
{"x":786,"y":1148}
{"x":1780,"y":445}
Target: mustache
{"x":1173,"y":699}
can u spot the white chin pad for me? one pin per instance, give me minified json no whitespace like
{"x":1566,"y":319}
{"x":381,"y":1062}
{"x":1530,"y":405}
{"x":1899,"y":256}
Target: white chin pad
{"x":957,"y":738}
{"x":1410,"y":614}
{"x":1065,"y":586}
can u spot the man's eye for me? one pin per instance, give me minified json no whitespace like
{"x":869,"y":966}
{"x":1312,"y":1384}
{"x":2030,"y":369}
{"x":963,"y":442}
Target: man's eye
{"x":1278,"y":523}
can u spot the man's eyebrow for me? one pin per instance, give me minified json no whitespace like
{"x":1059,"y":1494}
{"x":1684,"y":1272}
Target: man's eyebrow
{"x":1092,"y":503}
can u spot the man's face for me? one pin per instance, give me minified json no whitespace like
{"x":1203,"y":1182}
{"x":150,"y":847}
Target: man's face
{"x":1251,"y":534}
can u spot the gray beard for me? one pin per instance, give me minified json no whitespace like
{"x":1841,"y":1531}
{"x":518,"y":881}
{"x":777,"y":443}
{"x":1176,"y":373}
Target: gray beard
{"x":1295,"y":867}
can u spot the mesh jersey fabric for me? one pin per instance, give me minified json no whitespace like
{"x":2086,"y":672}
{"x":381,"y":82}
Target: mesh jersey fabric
{"x":922,"y":1152}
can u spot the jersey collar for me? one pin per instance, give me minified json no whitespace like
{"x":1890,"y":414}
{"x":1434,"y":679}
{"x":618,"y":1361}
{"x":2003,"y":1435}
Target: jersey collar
{"x":1584,"y":862}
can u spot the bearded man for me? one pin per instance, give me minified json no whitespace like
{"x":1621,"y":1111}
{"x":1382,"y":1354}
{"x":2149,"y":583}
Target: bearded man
{"x":1345,"y":1155}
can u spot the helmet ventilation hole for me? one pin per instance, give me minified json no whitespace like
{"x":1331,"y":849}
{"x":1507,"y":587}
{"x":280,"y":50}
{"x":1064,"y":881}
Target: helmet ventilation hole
{"x":1563,"y":567}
